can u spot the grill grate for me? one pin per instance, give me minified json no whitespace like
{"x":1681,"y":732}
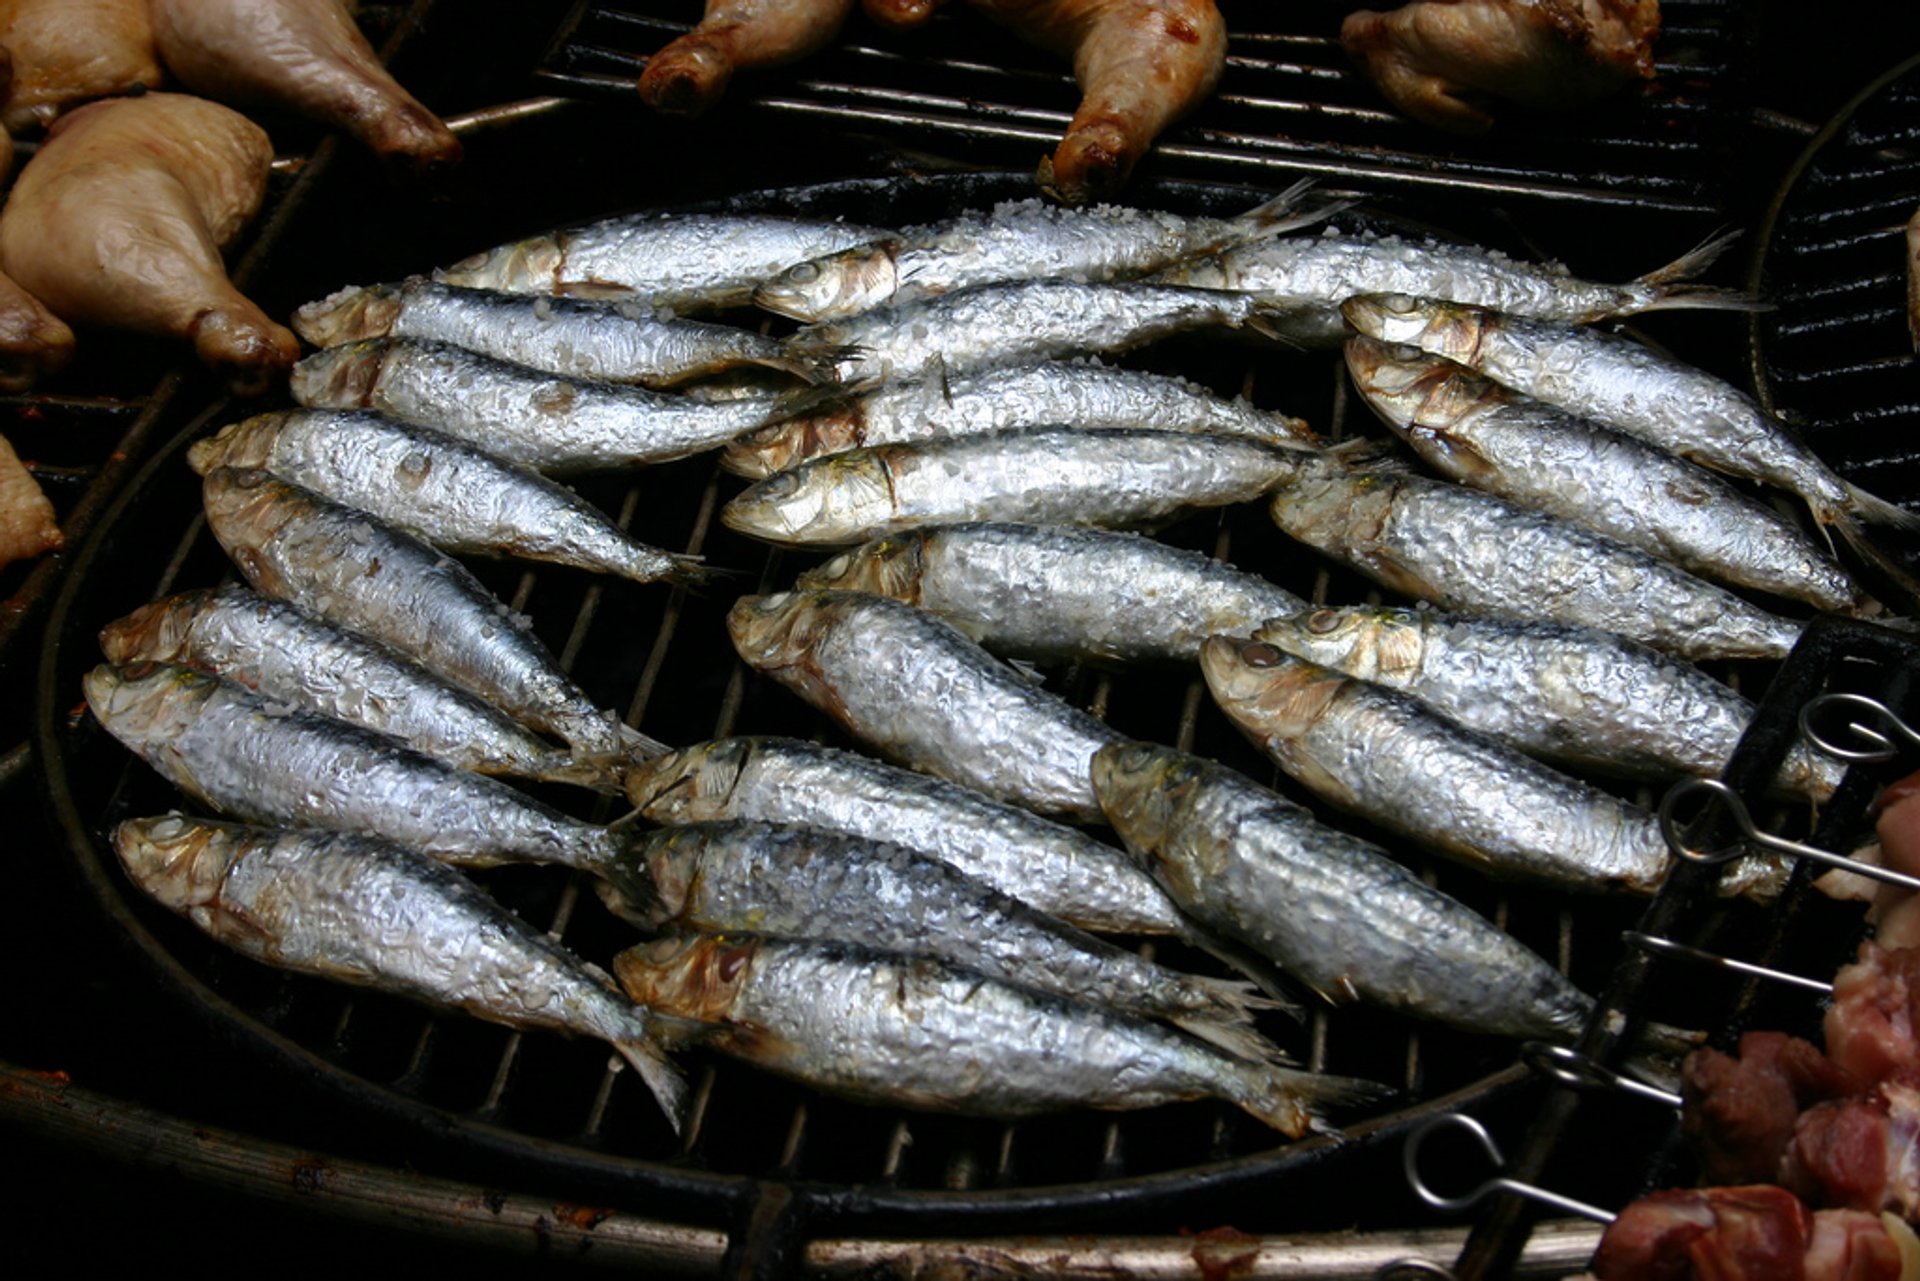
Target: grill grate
{"x":1288,"y":104}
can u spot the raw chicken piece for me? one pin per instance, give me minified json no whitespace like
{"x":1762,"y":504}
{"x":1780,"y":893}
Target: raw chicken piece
{"x":1873,"y":1025}
{"x":306,"y":55}
{"x":27,"y":526}
{"x":66,"y":52}
{"x":1740,"y":1112}
{"x":120,"y":218}
{"x":1141,"y":64}
{"x":1433,"y":58}
{"x":1858,"y":1153}
{"x":1747,"y":1234}
{"x":689,"y":75}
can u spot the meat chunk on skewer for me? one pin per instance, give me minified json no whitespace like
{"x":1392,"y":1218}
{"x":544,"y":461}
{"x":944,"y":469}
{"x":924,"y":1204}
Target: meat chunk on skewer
{"x":1740,"y":1111}
{"x":120,"y":219}
{"x":306,"y":55}
{"x":689,"y":75}
{"x":66,"y":52}
{"x":1756,"y":1233}
{"x":1141,"y":64}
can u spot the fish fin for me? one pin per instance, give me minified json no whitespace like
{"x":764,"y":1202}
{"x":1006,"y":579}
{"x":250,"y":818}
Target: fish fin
{"x":1240,"y":1041}
{"x":666,"y":1081}
{"x":1277,"y":216}
{"x":603,"y":773}
{"x":642,"y":746}
{"x":1263,"y":974}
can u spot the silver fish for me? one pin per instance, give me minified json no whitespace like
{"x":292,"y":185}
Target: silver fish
{"x":361,"y":911}
{"x":1058,"y":869}
{"x":1008,"y":323}
{"x":1315,"y":274}
{"x":1332,"y":910}
{"x":1479,"y":554}
{"x":1050,"y":592}
{"x":1119,"y":478}
{"x":1386,"y":756}
{"x":799,"y":882}
{"x":555,"y":425}
{"x":1479,"y":433}
{"x":1574,"y":695}
{"x":620,"y":342}
{"x":242,"y":754}
{"x":678,"y":260}
{"x":919,"y":691}
{"x":290,"y":656}
{"x":438,"y":488}
{"x":351,"y":569}
{"x":1079,"y":394}
{"x":932,"y":1037}
{"x":1016,"y":240}
{"x":1612,"y":379}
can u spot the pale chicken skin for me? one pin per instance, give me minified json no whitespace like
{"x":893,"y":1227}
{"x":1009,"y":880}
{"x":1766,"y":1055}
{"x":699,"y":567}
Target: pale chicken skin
{"x":121,"y":217}
{"x":1440,"y":60}
{"x":304,"y":55}
{"x":1141,"y":64}
{"x":33,"y":341}
{"x":27,"y":524}
{"x":690,"y":74}
{"x":66,"y":52}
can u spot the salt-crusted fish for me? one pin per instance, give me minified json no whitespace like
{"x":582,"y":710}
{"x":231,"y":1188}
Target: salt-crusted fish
{"x":1481,"y":434}
{"x":1079,"y":394}
{"x":1381,"y":754}
{"x":1051,"y":592}
{"x":290,"y":656}
{"x":1332,"y":910}
{"x":357,"y":572}
{"x":1611,"y":379}
{"x":1016,"y":240}
{"x":941,"y":1039}
{"x":438,"y":488}
{"x":801,"y":882}
{"x":1313,"y":275}
{"x":362,"y":911}
{"x":620,"y":342}
{"x":1479,"y":554}
{"x":550,"y":423}
{"x":917,"y":690}
{"x":678,"y":260}
{"x":245,"y":755}
{"x":1007,"y":323}
{"x":1113,"y":479}
{"x":1575,"y":695}
{"x":1058,"y":869}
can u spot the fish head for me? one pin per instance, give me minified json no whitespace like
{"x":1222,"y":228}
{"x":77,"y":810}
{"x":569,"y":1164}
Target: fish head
{"x":772,"y":632}
{"x":1442,"y":328}
{"x":1143,"y":789}
{"x":527,"y":266}
{"x":825,"y":501}
{"x":246,"y":443}
{"x":341,"y":377}
{"x":349,"y":314}
{"x":147,"y":700}
{"x":783,"y":445}
{"x":246,"y":509}
{"x":1374,"y":643}
{"x":691,"y":978}
{"x":181,"y":862}
{"x":834,"y":285}
{"x":158,"y":632}
{"x":889,"y":566}
{"x":1268,"y":693}
{"x":691,"y":785}
{"x":1331,"y":508}
{"x":1407,"y":387}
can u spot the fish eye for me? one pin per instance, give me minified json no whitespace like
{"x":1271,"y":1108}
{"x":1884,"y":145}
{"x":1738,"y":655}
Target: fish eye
{"x":780,"y":486}
{"x":804,"y":274}
{"x":1322,"y":621}
{"x":838,"y":566}
{"x":1261,"y":654}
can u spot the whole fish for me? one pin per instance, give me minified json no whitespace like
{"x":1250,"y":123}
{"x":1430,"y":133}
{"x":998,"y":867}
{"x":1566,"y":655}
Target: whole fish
{"x":1574,"y":695}
{"x":1378,"y":753}
{"x":361,"y":911}
{"x":1007,"y":323}
{"x":1612,"y":379}
{"x":1058,"y":869}
{"x":1479,"y":433}
{"x":552,"y":424}
{"x":1050,"y":592}
{"x":1119,"y":478}
{"x":1479,"y":554}
{"x":678,"y":260}
{"x":941,"y":1039}
{"x":1016,"y":240}
{"x":1313,"y":275}
{"x":353,"y":570}
{"x":290,"y":656}
{"x":1079,"y":394}
{"x":917,"y":690}
{"x":799,"y":882}
{"x":438,"y":488}
{"x":240,"y":753}
{"x":620,"y":342}
{"x":1332,"y":910}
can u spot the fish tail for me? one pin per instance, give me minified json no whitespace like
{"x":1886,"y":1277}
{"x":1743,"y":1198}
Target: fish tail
{"x":604,"y":773}
{"x":1226,"y":1023}
{"x":1693,"y":262}
{"x":1281,"y":214}
{"x":667,"y":1082}
{"x":1292,"y":1102}
{"x":637,"y":745}
{"x":1692,"y":297}
{"x":1893,"y":582}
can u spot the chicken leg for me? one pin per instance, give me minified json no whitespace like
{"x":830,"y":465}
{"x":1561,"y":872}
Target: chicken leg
{"x":689,"y":75}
